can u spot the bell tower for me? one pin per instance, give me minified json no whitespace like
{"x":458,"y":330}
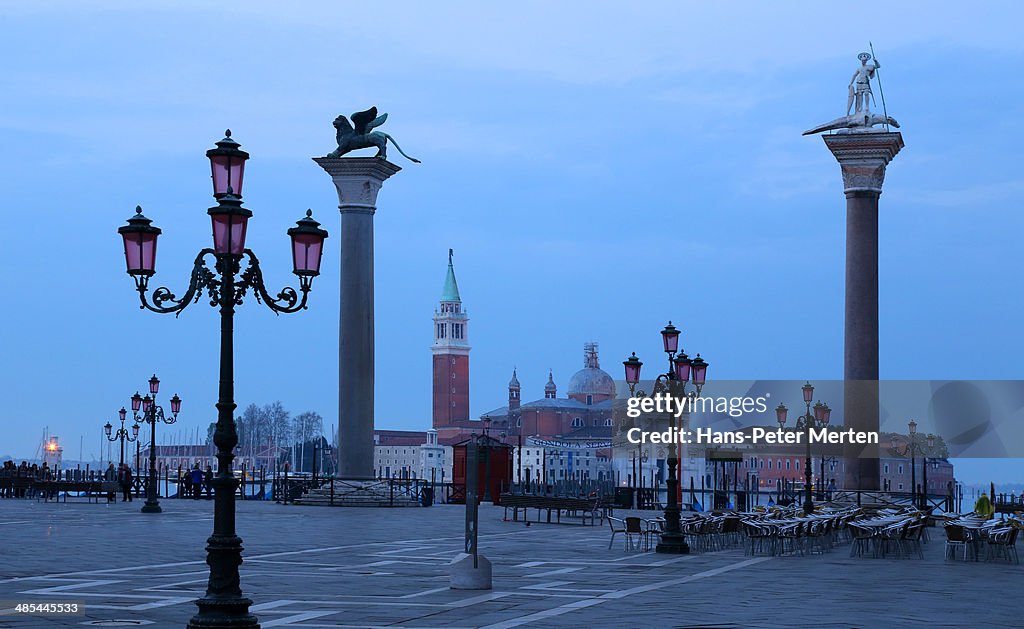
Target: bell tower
{"x":451,"y":356}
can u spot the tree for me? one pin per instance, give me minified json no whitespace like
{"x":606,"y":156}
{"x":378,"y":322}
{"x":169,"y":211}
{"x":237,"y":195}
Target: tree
{"x":306,"y":427}
{"x":278,"y":424}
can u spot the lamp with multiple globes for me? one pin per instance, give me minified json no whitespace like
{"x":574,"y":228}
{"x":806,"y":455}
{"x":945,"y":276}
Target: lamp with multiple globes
{"x":912,"y":447}
{"x":146,"y":410}
{"x":681,"y":371}
{"x":226,"y":285}
{"x":122,"y":433}
{"x":816,"y":417}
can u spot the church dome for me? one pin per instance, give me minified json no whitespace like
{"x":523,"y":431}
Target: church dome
{"x":591,"y":383}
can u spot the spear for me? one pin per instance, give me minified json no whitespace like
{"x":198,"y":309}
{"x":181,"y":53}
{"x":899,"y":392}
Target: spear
{"x":880,"y":92}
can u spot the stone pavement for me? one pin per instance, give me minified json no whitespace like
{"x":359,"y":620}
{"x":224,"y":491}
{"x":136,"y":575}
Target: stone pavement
{"x":351,"y":567}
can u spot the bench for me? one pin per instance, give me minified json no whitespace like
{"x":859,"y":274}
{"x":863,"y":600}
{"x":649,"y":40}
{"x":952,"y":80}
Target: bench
{"x":94,"y":490}
{"x":587,"y":507}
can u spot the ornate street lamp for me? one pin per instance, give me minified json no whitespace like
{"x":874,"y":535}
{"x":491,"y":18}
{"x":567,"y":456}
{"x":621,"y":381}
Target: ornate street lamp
{"x":680,"y":371}
{"x":816,"y":418}
{"x":152,"y":414}
{"x":912,"y":447}
{"x":226,"y":286}
{"x":122,"y":433}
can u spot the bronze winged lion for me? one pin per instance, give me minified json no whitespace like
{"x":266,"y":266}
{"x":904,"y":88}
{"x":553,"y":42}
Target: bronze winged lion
{"x":362,"y":136}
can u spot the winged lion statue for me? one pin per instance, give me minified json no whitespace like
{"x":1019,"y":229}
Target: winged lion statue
{"x":362,"y":135}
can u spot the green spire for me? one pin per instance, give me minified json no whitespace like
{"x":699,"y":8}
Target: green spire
{"x":451,"y":287}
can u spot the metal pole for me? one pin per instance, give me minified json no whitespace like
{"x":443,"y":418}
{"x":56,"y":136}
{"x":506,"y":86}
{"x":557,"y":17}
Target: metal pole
{"x":924,"y":490}
{"x":808,"y":503}
{"x":913,"y":473}
{"x":223,"y":605}
{"x":152,"y":504}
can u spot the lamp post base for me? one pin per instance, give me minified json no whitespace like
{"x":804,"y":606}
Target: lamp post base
{"x":673,"y":544}
{"x":151,"y":508}
{"x":230,"y":613}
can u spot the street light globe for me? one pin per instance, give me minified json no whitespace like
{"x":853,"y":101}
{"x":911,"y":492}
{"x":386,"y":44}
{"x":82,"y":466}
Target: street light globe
{"x":682,"y":366}
{"x":632,"y":366}
{"x":230,"y":221}
{"x":670,"y":338}
{"x":139,"y":237}
{"x":307,"y":246}
{"x":175,"y":404}
{"x":227,"y":164}
{"x":698,"y":371}
{"x":808,"y":390}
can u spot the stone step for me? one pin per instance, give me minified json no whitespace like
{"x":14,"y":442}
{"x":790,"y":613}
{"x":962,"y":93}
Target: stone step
{"x":358,"y":494}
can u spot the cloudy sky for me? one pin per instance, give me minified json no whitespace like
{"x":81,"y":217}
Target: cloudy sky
{"x":598,"y":171}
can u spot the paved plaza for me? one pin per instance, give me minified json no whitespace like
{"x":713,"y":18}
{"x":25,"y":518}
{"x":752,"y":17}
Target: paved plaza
{"x":351,"y":567}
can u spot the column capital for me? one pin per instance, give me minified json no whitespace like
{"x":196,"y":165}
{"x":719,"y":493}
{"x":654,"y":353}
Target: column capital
{"x":358,"y":180}
{"x":863,"y":157}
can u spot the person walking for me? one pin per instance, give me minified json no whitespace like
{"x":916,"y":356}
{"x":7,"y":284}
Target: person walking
{"x":186,"y":483}
{"x":208,"y":481}
{"x":197,"y":481}
{"x":125,"y":480}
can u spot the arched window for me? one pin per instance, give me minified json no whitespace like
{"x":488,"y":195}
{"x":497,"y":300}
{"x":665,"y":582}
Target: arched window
{"x":577,"y":422}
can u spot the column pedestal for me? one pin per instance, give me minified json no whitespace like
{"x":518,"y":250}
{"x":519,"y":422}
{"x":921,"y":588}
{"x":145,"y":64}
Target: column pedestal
{"x":358,"y":180}
{"x":862,"y":157}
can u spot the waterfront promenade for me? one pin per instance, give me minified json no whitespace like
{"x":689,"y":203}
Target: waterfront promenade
{"x":323,"y":567}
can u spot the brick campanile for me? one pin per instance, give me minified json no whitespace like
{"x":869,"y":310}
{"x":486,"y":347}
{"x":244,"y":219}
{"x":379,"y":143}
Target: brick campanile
{"x":451,"y":355}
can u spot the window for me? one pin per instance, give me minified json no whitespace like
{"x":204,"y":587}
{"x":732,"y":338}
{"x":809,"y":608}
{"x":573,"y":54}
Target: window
{"x":577,"y":422}
{"x":769,"y":464}
{"x":901,"y":471}
{"x":787,"y":464}
{"x":798,"y":464}
{"x":590,"y":400}
{"x":608,"y":422}
{"x":886,"y":468}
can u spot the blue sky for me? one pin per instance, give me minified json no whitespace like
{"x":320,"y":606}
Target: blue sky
{"x":597,"y":172}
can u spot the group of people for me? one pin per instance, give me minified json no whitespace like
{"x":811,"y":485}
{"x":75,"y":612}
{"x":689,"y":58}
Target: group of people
{"x":123,"y":476}
{"x":11,"y":471}
{"x":194,"y":481}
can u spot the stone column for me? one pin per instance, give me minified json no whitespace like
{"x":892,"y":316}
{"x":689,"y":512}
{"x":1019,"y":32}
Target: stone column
{"x":358,"y":180}
{"x":862,"y":158}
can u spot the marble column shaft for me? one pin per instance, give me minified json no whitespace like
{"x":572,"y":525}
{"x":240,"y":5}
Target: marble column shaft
{"x":358,"y":180}
{"x":862,"y":159}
